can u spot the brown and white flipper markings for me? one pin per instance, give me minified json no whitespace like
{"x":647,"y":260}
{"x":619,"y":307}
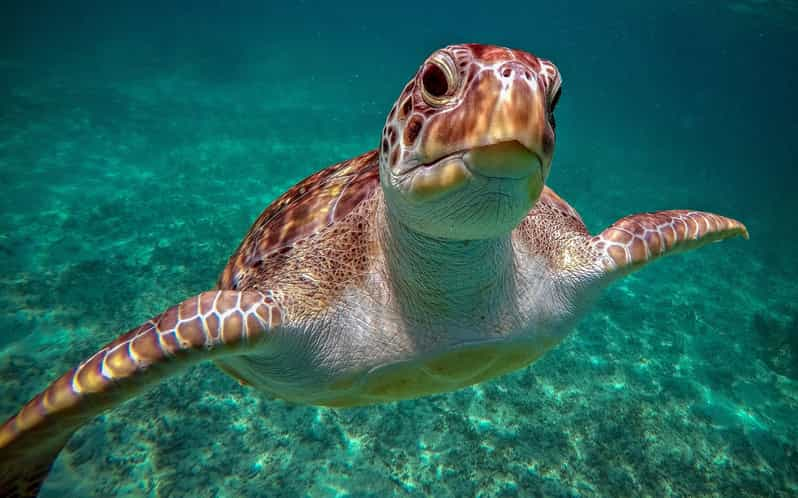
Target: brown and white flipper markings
{"x":202,"y":327}
{"x":637,"y":239}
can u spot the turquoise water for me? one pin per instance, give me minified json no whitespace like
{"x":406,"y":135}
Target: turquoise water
{"x":138,"y":144}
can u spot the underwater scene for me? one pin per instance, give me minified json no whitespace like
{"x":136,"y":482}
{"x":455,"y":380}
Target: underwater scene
{"x":139,"y":142}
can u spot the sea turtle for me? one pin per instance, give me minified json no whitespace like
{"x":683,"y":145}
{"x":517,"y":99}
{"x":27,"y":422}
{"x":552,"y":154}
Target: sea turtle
{"x":436,"y":261}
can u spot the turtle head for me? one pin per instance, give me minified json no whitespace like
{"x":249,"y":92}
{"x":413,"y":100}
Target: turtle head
{"x":468,"y":144}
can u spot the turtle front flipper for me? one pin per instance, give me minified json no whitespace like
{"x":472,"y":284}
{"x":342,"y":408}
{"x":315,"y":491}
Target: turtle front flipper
{"x":637,"y":239}
{"x":202,"y":327}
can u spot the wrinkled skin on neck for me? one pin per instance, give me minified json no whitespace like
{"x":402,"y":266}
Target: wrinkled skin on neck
{"x":455,"y":281}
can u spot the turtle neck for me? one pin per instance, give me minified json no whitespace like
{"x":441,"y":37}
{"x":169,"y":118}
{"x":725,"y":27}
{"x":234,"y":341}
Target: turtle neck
{"x":444,"y":278}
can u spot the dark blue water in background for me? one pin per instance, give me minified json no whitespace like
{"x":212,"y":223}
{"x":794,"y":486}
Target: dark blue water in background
{"x":138,"y":142}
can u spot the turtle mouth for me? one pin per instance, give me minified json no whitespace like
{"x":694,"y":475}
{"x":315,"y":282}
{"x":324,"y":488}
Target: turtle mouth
{"x":509,"y":159}
{"x":502,"y":161}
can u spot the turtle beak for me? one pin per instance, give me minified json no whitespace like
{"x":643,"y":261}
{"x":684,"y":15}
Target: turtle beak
{"x":503,"y":160}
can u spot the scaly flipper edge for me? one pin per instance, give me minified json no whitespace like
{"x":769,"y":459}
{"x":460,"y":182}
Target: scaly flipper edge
{"x":199,"y":328}
{"x":637,"y":239}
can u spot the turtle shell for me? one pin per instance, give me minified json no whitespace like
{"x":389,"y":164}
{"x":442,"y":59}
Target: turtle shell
{"x":316,"y":202}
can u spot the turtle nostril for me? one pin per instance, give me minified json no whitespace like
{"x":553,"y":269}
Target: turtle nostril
{"x":509,"y":69}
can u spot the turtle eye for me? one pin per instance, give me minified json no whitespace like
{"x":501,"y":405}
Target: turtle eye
{"x":438,"y":80}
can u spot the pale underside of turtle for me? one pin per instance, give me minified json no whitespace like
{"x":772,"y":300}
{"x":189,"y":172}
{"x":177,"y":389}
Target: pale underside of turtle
{"x":437,"y":261}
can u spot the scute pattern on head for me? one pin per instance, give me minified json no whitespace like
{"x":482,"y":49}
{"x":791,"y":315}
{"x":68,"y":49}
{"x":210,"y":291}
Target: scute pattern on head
{"x":454,"y":122}
{"x":313,"y":204}
{"x":468,"y":144}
